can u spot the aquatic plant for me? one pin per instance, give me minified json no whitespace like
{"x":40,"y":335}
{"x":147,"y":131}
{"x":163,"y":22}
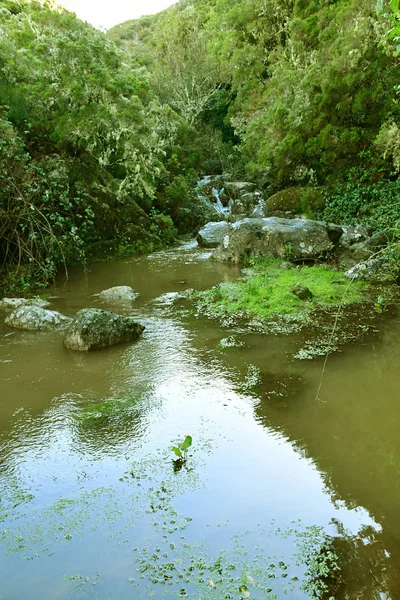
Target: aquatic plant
{"x":181,"y":449}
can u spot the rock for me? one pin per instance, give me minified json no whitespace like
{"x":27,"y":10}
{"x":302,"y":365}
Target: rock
{"x":34,"y":318}
{"x":287,"y":265}
{"x":245,"y":205}
{"x":119,"y":293}
{"x":357,"y":246}
{"x":374,"y":270}
{"x":236,"y":189}
{"x":212,"y":234}
{"x":295,"y":200}
{"x":13,"y":303}
{"x":353,"y":235}
{"x":272,"y":237}
{"x":259,"y":211}
{"x":302,"y":292}
{"x":93,"y":328}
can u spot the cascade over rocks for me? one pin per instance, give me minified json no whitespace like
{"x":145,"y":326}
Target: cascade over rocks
{"x":93,"y":328}
{"x":33,"y":318}
{"x":273,"y":237}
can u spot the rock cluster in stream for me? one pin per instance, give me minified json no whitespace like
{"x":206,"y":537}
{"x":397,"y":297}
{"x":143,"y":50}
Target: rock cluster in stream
{"x":245,"y":224}
{"x":300,"y":240}
{"x":90,"y":329}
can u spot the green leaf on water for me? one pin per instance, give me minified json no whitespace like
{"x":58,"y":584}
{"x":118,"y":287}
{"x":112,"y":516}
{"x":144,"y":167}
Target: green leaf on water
{"x":186,"y":443}
{"x":176,"y":451}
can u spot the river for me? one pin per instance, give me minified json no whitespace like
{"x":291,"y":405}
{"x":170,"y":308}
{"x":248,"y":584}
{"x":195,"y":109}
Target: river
{"x":92,"y":504}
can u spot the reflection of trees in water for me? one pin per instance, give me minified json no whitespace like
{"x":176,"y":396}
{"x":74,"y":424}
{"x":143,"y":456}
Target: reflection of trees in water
{"x":368,"y":568}
{"x":354,"y":442}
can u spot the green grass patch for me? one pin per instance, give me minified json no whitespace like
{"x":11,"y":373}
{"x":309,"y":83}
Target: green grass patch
{"x":265,"y":291}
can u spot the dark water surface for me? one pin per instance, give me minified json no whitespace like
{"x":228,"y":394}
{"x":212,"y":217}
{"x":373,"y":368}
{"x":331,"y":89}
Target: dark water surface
{"x":91,"y":505}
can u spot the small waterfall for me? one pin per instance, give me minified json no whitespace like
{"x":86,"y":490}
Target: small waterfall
{"x":214,"y":198}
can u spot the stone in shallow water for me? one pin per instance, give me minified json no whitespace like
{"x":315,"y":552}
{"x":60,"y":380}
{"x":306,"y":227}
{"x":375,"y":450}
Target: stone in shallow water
{"x":93,"y":328}
{"x":33,"y":318}
{"x":13,"y":303}
{"x":122,"y":293}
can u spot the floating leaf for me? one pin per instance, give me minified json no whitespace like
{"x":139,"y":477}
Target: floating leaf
{"x":186,"y":443}
{"x":176,"y":451}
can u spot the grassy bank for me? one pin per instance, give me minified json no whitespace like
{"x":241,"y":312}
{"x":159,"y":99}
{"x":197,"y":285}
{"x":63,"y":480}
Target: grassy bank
{"x":265,"y":292}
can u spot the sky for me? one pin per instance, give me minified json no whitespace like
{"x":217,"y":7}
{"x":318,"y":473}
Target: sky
{"x":105,"y":14}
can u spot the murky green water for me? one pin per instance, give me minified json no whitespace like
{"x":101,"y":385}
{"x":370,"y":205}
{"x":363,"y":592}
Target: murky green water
{"x":90,"y":503}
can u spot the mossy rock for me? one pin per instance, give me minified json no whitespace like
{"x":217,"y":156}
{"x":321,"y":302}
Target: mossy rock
{"x":305,"y":200}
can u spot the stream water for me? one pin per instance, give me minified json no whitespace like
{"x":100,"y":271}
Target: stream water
{"x":91,"y":503}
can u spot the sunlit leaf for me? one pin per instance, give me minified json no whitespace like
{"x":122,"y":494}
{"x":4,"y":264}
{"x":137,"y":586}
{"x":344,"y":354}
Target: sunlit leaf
{"x":176,"y":451}
{"x":186,"y":443}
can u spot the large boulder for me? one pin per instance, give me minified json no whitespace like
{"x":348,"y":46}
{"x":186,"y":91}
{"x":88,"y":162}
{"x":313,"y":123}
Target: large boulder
{"x":13,"y":303}
{"x":118,"y":293}
{"x":34,"y":318}
{"x":212,"y":234}
{"x":272,"y":237}
{"x":93,"y":328}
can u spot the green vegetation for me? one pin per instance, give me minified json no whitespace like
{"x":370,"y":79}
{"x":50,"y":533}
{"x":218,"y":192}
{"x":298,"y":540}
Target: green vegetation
{"x":266,"y":292}
{"x":180,"y":450}
{"x":102,"y":137}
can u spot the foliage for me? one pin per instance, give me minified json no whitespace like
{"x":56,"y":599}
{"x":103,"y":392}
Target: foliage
{"x":82,"y":139}
{"x":309,"y":88}
{"x":377,"y":206}
{"x":394,"y":18}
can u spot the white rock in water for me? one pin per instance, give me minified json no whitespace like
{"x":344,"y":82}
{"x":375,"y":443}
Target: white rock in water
{"x":34,"y":318}
{"x":122,"y":293}
{"x":13,"y":303}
